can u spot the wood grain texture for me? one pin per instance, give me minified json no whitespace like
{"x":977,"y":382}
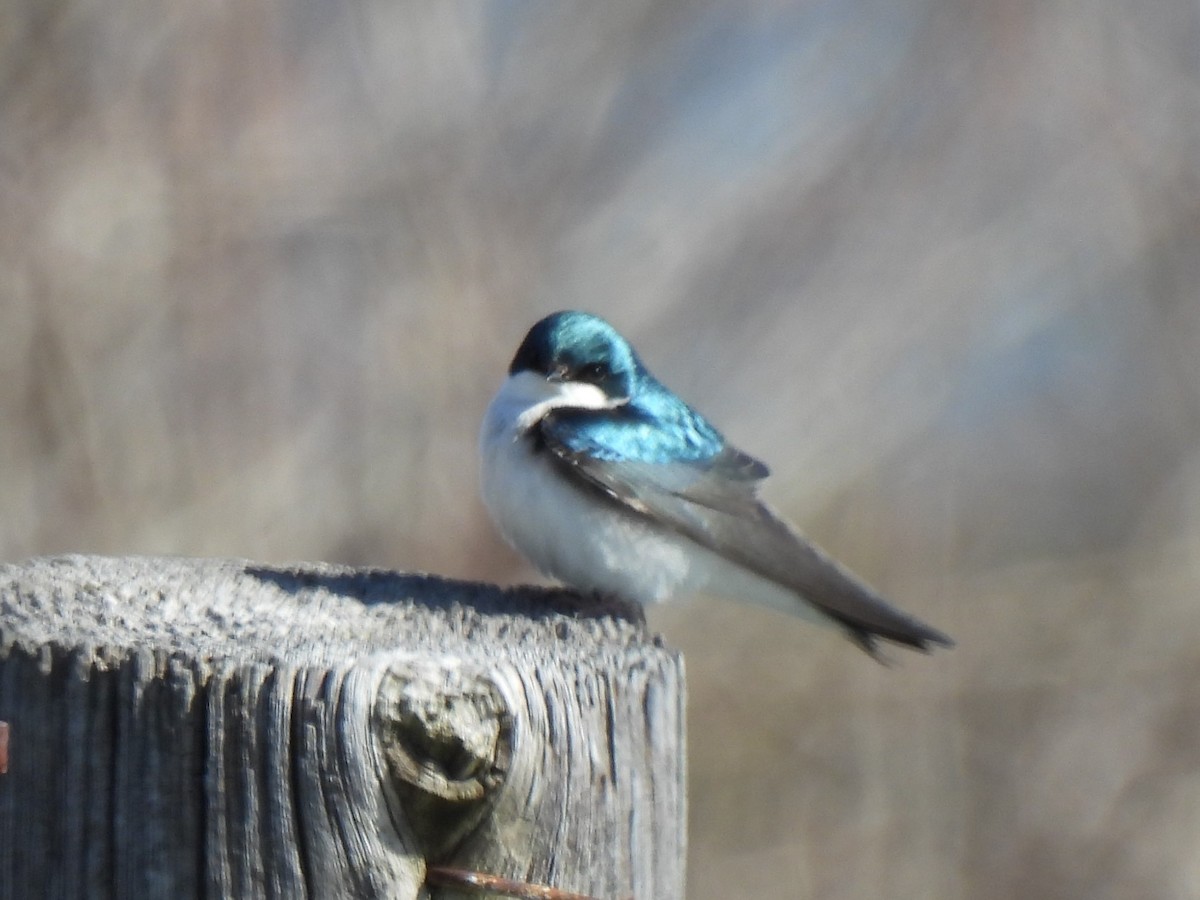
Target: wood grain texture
{"x":220,"y":728}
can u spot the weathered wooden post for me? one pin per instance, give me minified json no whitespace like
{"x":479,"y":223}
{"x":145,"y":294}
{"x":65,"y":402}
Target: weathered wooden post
{"x":185,"y":728}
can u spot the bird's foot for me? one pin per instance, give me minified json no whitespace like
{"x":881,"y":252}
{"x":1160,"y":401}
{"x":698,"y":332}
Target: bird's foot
{"x":609,"y":604}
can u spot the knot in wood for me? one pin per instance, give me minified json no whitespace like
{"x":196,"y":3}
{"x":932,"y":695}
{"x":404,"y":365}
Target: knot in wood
{"x":446,"y":734}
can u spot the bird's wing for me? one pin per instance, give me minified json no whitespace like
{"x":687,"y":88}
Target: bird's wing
{"x":714,"y":502}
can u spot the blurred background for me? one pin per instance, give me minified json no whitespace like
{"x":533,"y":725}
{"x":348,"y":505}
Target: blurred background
{"x":262,"y":265}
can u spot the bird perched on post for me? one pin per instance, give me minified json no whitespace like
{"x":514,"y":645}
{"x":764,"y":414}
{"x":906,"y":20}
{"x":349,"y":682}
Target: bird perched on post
{"x":606,"y":480}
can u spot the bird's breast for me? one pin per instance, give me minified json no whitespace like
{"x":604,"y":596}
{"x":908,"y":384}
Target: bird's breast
{"x":570,"y":532}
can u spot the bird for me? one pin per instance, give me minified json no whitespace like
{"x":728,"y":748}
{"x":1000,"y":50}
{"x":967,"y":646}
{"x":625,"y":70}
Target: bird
{"x":607,"y":481}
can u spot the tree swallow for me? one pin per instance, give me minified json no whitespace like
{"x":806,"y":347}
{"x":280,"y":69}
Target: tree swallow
{"x":606,"y":480}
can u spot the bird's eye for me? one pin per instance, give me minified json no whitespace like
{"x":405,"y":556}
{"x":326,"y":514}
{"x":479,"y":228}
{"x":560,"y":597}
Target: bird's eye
{"x":593,"y":372}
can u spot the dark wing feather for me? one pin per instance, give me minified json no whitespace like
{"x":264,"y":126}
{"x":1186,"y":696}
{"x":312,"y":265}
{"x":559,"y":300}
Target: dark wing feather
{"x":714,"y":503}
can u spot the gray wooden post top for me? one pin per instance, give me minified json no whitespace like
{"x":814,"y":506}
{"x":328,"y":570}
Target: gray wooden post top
{"x":320,"y":613}
{"x":197,"y":727}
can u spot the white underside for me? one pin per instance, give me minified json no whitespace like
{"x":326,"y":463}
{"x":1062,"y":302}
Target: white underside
{"x":577,"y":537}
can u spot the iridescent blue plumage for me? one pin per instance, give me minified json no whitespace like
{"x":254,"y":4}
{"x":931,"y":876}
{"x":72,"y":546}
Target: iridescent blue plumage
{"x":650,"y":425}
{"x":633,"y":433}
